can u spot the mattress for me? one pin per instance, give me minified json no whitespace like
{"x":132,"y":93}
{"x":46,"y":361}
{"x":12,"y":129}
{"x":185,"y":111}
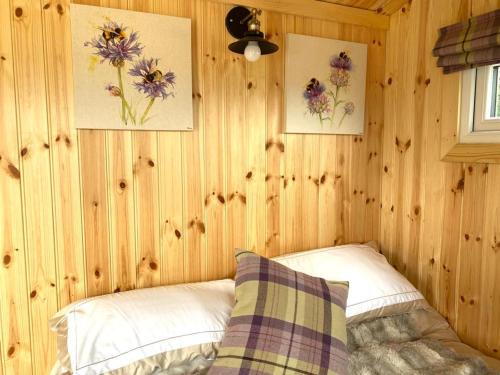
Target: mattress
{"x":429,"y":323}
{"x":433,"y":326}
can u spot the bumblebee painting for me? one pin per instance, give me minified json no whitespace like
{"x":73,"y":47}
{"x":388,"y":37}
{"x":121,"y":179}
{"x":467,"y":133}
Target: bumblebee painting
{"x":312,"y":84}
{"x":113,"y":34}
{"x":156,"y":75}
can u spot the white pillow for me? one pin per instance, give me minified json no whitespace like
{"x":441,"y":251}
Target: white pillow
{"x":375,"y":288}
{"x":108,"y":332}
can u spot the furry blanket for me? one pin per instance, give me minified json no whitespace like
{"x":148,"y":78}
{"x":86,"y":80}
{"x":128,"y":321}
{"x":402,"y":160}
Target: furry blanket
{"x":393,"y":345}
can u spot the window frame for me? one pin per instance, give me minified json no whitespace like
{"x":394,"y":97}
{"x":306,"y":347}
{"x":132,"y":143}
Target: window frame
{"x":459,"y":143}
{"x":474,"y":125}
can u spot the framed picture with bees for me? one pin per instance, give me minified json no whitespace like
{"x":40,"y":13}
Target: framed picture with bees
{"x":325,"y":81}
{"x":131,"y":70}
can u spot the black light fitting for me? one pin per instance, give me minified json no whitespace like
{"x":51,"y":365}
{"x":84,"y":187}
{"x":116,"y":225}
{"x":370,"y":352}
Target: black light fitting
{"x":244,"y":25}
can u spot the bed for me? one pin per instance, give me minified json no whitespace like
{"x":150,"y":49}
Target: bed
{"x":178,"y":329}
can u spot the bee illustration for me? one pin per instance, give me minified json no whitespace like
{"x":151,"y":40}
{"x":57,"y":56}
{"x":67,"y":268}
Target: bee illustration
{"x":155,"y":75}
{"x":312,"y":84}
{"x":110,"y":34}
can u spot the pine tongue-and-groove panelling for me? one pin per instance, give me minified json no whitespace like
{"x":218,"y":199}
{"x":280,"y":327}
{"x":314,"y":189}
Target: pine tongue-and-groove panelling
{"x":85,"y":213}
{"x":440,"y":222}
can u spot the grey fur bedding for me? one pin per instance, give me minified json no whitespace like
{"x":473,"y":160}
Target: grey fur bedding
{"x":395,"y":345}
{"x":418,"y":342}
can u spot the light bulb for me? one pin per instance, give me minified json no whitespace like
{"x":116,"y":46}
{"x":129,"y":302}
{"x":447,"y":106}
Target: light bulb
{"x":252,"y":51}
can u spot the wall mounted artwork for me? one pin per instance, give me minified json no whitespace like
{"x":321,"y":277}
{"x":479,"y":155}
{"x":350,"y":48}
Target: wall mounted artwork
{"x":131,"y":70}
{"x":325,"y":82}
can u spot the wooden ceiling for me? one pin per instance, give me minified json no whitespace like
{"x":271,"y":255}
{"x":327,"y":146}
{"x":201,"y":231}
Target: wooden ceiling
{"x":386,"y":7}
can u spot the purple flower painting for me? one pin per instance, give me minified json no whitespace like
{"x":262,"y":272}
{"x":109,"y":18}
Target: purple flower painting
{"x":152,"y":82}
{"x":325,"y":85}
{"x":324,"y":102}
{"x":118,"y":45}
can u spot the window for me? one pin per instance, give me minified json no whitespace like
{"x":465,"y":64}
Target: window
{"x":480,"y":105}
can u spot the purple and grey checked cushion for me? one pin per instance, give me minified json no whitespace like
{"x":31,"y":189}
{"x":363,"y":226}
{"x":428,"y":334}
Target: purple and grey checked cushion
{"x":284,"y":322}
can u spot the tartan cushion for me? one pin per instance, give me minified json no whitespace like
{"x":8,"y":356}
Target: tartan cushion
{"x":284,"y":322}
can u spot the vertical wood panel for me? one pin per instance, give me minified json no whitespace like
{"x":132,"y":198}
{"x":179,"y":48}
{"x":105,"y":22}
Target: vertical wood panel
{"x":27,"y":35}
{"x":490,"y":276}
{"x":121,"y":212}
{"x":275,"y":146}
{"x":193,"y":156}
{"x":214,"y":65}
{"x":14,"y":310}
{"x":237,"y":151}
{"x":64,"y":155}
{"x":256,"y":135}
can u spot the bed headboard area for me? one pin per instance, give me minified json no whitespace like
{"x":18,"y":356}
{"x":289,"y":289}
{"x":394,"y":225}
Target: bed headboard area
{"x":91,"y":212}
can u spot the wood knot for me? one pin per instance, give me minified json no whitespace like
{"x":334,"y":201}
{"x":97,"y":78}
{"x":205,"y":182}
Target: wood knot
{"x":249,"y":175}
{"x":201,"y":227}
{"x":11,"y":351}
{"x":380,"y":10}
{"x":432,"y":261}
{"x":33,"y":294}
{"x":46,"y":145}
{"x":386,"y":169}
{"x":322,"y":179}
{"x":485,"y":170}
{"x":46,"y":6}
{"x":67,"y":141}
{"x":18,"y":12}
{"x":97,"y":274}
{"x":24,"y":151}
{"x":6,"y":259}
{"x":60,"y":9}
{"x":177,"y":234}
{"x":427,"y":81}
{"x":117,"y":290}
{"x":389,"y":81}
{"x":13,"y":171}
{"x":250,"y":85}
{"x":470,"y":169}
{"x":466,"y":236}
{"x":417,"y":210}
{"x":151,"y":163}
{"x":221,"y":199}
{"x":123,"y":185}
{"x":153,"y":266}
{"x":478,"y":239}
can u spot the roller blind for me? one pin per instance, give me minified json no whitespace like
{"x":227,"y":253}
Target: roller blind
{"x":469,"y":44}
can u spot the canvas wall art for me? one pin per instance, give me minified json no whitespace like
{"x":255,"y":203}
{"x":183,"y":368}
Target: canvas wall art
{"x":131,"y":70}
{"x":325,"y":81}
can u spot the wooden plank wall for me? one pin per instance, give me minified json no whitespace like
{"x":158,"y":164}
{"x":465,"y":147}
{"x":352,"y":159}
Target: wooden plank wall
{"x":89,"y":212}
{"x":440,"y":222}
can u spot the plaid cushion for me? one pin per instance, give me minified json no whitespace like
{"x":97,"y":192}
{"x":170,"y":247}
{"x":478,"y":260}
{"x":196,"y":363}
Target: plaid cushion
{"x":284,"y":322}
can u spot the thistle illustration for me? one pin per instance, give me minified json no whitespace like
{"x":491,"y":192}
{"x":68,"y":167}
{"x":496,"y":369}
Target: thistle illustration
{"x":153,"y":83}
{"x":115,"y":45}
{"x":324,"y":102}
{"x":317,"y":101}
